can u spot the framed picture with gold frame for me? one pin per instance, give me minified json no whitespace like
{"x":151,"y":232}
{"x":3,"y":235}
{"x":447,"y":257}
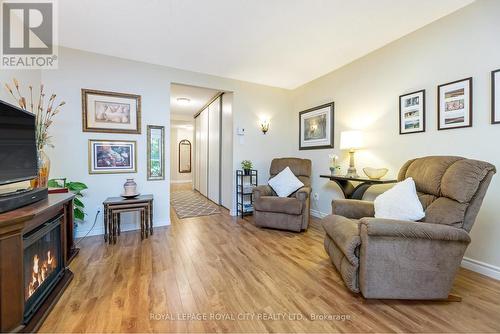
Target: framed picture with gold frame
{"x":111,"y":112}
{"x":112,"y":156}
{"x":156,"y":152}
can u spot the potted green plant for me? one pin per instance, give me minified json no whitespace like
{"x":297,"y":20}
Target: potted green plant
{"x":247,"y":166}
{"x":76,"y":188}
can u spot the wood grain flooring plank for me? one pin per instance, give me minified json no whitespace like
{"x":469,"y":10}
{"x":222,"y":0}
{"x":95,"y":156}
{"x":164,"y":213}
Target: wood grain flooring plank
{"x":226,"y":267}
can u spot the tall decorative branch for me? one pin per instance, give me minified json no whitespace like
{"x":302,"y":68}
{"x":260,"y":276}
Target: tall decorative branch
{"x":43,"y":115}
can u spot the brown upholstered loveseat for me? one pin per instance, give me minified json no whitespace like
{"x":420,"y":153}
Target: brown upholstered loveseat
{"x":285,"y":213}
{"x":391,"y":259}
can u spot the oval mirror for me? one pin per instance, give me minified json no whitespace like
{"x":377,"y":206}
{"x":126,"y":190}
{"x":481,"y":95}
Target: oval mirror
{"x":184,"y":156}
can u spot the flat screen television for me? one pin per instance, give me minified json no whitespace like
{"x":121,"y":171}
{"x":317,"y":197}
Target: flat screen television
{"x":18,"y":153}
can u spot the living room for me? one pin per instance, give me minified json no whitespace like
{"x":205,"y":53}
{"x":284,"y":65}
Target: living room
{"x":341,"y":90}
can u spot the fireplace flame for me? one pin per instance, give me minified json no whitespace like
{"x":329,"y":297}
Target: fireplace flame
{"x":40,"y":271}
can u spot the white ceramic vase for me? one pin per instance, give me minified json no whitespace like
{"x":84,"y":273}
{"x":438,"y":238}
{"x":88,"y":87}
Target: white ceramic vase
{"x":130,"y":188}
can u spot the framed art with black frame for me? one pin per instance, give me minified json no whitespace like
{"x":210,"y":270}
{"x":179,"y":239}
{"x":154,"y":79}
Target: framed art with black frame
{"x":455,"y":104}
{"x":412,"y":112}
{"x":316,"y":127}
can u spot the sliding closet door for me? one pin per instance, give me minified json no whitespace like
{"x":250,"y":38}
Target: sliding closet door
{"x":208,"y":151}
{"x":197,"y":154}
{"x":226,"y":158}
{"x":214,"y":151}
{"x":203,"y":152}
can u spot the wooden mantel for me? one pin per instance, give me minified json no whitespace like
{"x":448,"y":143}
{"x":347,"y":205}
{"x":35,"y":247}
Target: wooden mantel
{"x":13,"y":225}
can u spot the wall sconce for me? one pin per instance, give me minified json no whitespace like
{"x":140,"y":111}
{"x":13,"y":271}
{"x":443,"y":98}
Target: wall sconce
{"x":264,"y":125}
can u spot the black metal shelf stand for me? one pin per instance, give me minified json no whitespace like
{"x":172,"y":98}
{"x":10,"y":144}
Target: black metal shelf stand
{"x":245,"y":182}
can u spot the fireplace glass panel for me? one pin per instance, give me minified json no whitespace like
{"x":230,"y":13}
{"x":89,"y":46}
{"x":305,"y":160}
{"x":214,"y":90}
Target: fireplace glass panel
{"x":42,"y":263}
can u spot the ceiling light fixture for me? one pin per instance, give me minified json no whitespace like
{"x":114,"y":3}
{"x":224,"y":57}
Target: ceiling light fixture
{"x":183,"y":101}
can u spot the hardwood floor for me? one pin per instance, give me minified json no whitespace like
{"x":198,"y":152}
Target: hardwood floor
{"x":222,"y":267}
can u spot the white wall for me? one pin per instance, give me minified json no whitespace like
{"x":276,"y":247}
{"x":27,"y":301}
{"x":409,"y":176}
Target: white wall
{"x":79,"y":69}
{"x":366,"y":92}
{"x":176,"y":135}
{"x":25,"y":78}
{"x":69,"y":158}
{"x":254,"y":145}
{"x":181,"y":117}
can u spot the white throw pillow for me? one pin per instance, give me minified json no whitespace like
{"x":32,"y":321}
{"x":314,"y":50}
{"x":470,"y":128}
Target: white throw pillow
{"x":400,"y":202}
{"x":285,"y":183}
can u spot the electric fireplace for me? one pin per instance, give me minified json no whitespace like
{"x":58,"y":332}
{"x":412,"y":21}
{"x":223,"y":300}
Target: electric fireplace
{"x":43,"y":264}
{"x":36,"y":247}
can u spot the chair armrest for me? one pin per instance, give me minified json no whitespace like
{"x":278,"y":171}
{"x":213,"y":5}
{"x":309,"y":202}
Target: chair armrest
{"x":351,"y":208}
{"x":260,"y":191}
{"x":412,"y":230}
{"x":303,"y":193}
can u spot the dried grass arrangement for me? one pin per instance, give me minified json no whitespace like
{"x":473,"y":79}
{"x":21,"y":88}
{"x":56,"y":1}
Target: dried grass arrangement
{"x":44,"y":112}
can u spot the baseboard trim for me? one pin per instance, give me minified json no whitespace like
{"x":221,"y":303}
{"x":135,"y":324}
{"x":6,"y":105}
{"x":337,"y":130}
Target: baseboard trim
{"x":181,"y":181}
{"x":99,"y":230}
{"x":467,"y":263}
{"x":318,"y":214}
{"x":481,"y":268}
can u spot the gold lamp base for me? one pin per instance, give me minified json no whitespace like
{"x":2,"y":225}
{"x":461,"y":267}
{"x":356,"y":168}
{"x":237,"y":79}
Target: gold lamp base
{"x":351,"y":171}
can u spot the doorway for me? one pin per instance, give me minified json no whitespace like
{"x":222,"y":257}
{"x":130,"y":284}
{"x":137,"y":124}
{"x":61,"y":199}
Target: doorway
{"x":201,"y":143}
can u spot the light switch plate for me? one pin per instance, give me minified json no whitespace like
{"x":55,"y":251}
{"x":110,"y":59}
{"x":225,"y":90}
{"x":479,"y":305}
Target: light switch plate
{"x":240,"y":131}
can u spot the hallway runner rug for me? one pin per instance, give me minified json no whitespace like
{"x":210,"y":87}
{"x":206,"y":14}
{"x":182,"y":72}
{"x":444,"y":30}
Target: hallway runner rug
{"x":192,"y":204}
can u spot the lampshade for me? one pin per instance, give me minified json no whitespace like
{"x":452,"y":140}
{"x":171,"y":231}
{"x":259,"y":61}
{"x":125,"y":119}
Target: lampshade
{"x":351,"y":140}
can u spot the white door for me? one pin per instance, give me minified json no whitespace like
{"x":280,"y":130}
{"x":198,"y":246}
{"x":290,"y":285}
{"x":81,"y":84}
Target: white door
{"x":226,"y":159}
{"x":197,"y":145}
{"x":214,"y":151}
{"x":203,"y":189}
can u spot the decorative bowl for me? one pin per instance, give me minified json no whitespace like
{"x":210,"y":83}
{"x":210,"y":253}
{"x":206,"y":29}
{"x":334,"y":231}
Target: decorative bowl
{"x":375,"y":173}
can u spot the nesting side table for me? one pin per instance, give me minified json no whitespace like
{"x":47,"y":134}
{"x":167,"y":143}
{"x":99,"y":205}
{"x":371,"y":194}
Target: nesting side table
{"x":115,"y":206}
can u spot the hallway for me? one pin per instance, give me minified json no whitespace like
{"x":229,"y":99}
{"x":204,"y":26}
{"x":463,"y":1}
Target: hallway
{"x":186,"y":202}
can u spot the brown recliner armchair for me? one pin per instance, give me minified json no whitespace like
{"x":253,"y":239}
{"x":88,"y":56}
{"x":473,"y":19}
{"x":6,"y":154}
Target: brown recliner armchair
{"x":285,"y":213}
{"x":391,"y":259}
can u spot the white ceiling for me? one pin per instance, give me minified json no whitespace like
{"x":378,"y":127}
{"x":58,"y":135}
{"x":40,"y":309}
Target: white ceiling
{"x":198,"y":96}
{"x":282,"y":43}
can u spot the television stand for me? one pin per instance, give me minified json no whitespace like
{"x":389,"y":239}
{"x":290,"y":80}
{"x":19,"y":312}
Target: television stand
{"x":15,"y":192}
{"x":12,"y":201}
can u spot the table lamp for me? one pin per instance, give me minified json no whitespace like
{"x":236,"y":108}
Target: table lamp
{"x":351,"y":140}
